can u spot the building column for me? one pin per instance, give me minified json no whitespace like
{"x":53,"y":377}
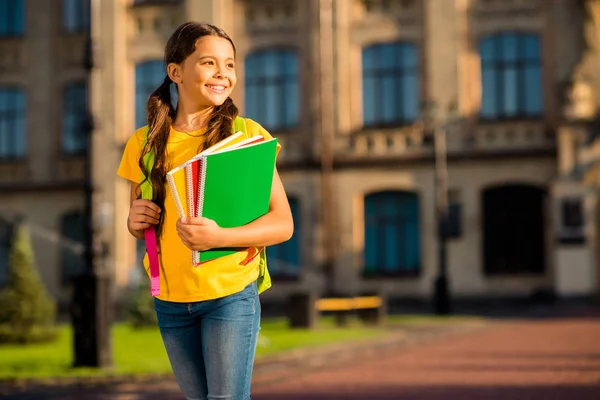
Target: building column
{"x":216,"y":12}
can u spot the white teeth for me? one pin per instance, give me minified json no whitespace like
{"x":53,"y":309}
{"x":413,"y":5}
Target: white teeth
{"x":216,"y":87}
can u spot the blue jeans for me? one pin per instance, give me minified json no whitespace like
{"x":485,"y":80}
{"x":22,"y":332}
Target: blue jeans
{"x":211,"y":344}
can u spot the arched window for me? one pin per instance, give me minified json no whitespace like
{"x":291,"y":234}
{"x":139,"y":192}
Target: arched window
{"x":74,"y":140}
{"x":76,"y":15}
{"x":283,"y":259}
{"x":390,"y":84}
{"x":392,"y":234}
{"x":148,"y":76}
{"x":511,"y":76}
{"x":513,"y":229}
{"x":12,"y":18}
{"x":271,"y":88}
{"x":13,"y":132}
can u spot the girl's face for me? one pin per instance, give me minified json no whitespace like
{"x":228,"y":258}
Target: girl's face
{"x":207,"y":76}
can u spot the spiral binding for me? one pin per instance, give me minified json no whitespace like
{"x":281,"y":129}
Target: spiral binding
{"x":175,"y":196}
{"x":200,"y":205}
{"x":189,"y":181}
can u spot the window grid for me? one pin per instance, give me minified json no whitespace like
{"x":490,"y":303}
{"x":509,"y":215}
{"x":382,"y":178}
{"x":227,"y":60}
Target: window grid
{"x":511,"y":76}
{"x":74,"y":139}
{"x":392,"y":234}
{"x":12,"y":123}
{"x":76,"y":15}
{"x":272,"y":90}
{"x":12,"y":18}
{"x":148,"y":76}
{"x":284,"y":259}
{"x":390,"y":84}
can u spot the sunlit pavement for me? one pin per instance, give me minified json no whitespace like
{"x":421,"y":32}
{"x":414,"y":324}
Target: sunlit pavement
{"x":546,"y":359}
{"x":509,"y":359}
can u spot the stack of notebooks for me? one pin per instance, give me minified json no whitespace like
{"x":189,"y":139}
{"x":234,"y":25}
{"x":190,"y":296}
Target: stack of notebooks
{"x":229,"y":183}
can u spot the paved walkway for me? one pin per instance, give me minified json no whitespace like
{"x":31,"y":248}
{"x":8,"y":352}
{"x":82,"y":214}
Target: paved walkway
{"x":540,"y":359}
{"x":545,"y":359}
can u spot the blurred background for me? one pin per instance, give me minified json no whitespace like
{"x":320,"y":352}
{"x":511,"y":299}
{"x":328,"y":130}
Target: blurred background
{"x":435,"y":152}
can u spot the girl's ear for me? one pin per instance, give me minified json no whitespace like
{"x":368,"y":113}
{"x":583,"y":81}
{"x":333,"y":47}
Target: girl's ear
{"x":174,"y":72}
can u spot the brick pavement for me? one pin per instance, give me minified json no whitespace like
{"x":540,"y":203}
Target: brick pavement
{"x":545,"y":359}
{"x":531,"y":359}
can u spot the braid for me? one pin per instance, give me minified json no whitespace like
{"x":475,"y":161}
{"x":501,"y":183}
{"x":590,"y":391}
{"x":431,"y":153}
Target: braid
{"x":221,"y":122}
{"x":160,"y":114}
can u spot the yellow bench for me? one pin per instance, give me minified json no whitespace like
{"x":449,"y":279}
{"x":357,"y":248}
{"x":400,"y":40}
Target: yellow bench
{"x":348,"y":304}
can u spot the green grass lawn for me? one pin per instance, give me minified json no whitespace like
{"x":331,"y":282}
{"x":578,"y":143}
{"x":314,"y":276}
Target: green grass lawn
{"x":139,"y":352}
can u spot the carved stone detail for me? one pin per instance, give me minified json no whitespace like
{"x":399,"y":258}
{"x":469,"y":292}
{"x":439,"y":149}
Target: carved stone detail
{"x":269,"y":16}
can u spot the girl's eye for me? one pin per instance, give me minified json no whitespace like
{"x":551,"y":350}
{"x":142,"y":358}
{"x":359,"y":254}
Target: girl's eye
{"x":208,"y":63}
{"x":230,"y":65}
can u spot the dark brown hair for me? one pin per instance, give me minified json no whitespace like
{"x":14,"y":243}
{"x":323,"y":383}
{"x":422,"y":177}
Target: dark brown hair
{"x":160,"y":112}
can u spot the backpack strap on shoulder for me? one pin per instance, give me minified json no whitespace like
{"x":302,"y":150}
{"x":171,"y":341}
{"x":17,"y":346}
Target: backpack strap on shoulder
{"x":239,"y":125}
{"x":146,"y":186}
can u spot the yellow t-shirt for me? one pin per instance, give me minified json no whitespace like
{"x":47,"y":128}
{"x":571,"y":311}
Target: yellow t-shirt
{"x":180,"y":281}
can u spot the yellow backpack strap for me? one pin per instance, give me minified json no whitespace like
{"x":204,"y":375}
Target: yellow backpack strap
{"x":239,"y":125}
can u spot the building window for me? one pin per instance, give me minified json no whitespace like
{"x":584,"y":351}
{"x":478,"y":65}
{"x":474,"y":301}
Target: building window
{"x":74,"y":140}
{"x":6,"y":237}
{"x":12,"y":18}
{"x":76,"y":15}
{"x":12,"y":123}
{"x":392,"y":234}
{"x":72,"y":249}
{"x":511,"y":76}
{"x":513,"y":229}
{"x":390,"y":84}
{"x":272,"y":92}
{"x":148,"y":77}
{"x":283,"y":259}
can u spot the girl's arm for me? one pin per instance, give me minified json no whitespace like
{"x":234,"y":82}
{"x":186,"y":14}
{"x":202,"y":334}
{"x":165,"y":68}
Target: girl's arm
{"x":272,"y":228}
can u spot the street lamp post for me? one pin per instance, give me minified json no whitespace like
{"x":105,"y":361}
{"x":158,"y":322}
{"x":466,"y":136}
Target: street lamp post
{"x":90,"y":308}
{"x":441,"y":291}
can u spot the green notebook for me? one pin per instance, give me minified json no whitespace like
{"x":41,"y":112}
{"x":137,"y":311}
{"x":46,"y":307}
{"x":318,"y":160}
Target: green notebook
{"x":234,"y":187}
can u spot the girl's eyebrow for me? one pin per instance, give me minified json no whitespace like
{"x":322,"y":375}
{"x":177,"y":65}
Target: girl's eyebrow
{"x":214,"y":57}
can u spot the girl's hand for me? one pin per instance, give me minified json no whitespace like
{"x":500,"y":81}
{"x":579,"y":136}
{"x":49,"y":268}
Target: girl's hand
{"x":142,"y":215}
{"x":200,"y":233}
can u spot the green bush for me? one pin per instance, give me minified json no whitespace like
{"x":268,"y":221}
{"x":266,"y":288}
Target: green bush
{"x":27,"y":313}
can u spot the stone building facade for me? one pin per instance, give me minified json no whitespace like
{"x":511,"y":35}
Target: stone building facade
{"x":515,"y":87}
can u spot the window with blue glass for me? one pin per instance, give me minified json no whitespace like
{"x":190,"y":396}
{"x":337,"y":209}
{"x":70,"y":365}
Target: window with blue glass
{"x":148,"y":77}
{"x":74,"y":140}
{"x":390,"y":84}
{"x":272,"y":91}
{"x":72,"y":257}
{"x":511,"y":76}
{"x":392,"y":234}
{"x":76,"y":15}
{"x":283,"y":260}
{"x":6,"y":236}
{"x":12,"y":123}
{"x":12,"y":18}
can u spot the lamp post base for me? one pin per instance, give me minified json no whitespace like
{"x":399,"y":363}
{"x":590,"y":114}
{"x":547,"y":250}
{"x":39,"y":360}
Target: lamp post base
{"x":442,"y":296}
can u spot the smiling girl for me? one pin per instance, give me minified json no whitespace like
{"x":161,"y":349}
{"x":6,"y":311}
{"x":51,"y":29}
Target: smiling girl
{"x":209,"y":316}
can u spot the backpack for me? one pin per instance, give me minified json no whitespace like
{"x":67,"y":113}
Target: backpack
{"x":264,"y":279}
